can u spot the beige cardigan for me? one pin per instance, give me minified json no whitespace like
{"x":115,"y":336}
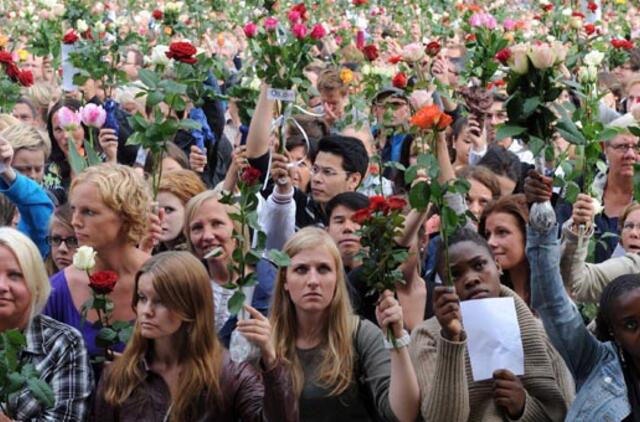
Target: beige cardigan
{"x":585,"y":282}
{"x":448,"y":392}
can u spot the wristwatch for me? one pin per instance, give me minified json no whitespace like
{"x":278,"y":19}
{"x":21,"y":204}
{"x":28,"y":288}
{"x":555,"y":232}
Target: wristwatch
{"x":399,"y":343}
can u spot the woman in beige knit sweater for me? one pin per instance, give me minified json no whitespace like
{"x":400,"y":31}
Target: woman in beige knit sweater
{"x":439,"y":351}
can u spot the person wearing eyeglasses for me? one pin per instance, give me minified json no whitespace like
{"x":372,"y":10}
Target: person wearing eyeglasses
{"x":62,"y":240}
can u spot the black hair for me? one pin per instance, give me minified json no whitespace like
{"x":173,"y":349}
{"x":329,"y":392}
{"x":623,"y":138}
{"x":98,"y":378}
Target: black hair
{"x":57,"y":155}
{"x":352,"y":151}
{"x":502,"y":162}
{"x":463,"y":234}
{"x":28,"y":103}
{"x":618,"y":287}
{"x":299,"y":141}
{"x":352,"y":200}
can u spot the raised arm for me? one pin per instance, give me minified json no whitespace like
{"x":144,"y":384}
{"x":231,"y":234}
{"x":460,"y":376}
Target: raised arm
{"x":260,"y":129}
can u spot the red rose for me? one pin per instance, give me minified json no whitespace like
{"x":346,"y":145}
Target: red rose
{"x":182,"y":52}
{"x":87,"y":35}
{"x":12,"y":71}
{"x":470,"y":38}
{"x":157,"y":14}
{"x":302,"y":9}
{"x":578,"y":15}
{"x":547,"y":7}
{"x":400,"y":80}
{"x":503,"y":55}
{"x":396,"y":203}
{"x":433,"y":48}
{"x":318,"y":32}
{"x":103,"y":282}
{"x":361,"y":216}
{"x":25,"y":77}
{"x":378,"y":203}
{"x":359,"y":2}
{"x":5,"y":57}
{"x":250,"y":176}
{"x":592,"y":6}
{"x":370,"y":52}
{"x":589,"y":28}
{"x":250,"y":30}
{"x":621,"y":43}
{"x":395,"y":59}
{"x":70,"y":37}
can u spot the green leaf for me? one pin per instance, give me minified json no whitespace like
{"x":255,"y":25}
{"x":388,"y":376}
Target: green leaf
{"x":509,"y":131}
{"x":530,"y":106}
{"x":419,"y":196}
{"x":41,"y":391}
{"x":279,"y":258}
{"x":610,"y":133}
{"x":149,"y":78}
{"x":236,"y":302}
{"x":188,"y":124}
{"x":92,"y":155}
{"x":77,"y":162}
{"x":571,"y":191}
{"x":635,"y":131}
{"x":107,"y":334}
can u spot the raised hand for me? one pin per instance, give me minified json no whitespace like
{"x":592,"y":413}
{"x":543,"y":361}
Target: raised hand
{"x":389,"y":314}
{"x":446,"y":306}
{"x":258,"y":331}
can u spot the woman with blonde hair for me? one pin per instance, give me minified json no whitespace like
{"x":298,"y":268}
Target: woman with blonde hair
{"x":208,"y":228}
{"x":175,"y":369}
{"x":110,"y":205}
{"x":340,"y":368}
{"x":55,"y":349}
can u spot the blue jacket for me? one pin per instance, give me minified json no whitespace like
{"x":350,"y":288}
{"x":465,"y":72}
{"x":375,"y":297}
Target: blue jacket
{"x":601,"y":389}
{"x":35,"y":209}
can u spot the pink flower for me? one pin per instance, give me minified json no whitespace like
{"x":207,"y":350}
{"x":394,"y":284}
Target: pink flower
{"x":299,"y":31}
{"x":360,"y":39}
{"x":93,"y":115}
{"x":318,"y":32}
{"x":270,"y":23}
{"x":484,"y":20}
{"x":509,"y":24}
{"x":250,"y":30}
{"x":420,"y":98}
{"x":68,"y":119}
{"x":338,"y":39}
{"x":294,"y":17}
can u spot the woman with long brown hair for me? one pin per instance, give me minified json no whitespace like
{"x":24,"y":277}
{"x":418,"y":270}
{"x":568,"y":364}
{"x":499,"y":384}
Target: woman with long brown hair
{"x":339,"y":365}
{"x":175,"y":369}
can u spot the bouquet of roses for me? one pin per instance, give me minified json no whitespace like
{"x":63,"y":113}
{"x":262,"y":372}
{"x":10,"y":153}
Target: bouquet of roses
{"x":618,"y":54}
{"x":11,"y":81}
{"x":101,"y":283}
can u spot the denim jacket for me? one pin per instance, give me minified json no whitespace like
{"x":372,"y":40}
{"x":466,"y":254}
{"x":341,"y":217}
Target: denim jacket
{"x":601,"y":389}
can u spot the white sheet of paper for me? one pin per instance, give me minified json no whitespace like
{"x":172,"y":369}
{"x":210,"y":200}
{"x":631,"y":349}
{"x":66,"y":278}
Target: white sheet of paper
{"x":68,"y":70}
{"x":493,"y":336}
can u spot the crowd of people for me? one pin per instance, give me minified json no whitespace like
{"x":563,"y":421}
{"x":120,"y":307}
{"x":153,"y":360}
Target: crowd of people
{"x":175,"y":227}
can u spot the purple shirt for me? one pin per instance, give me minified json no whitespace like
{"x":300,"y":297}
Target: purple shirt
{"x":60,"y":307}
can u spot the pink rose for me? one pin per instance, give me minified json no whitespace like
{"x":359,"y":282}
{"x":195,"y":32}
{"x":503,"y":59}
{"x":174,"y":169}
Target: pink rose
{"x":250,"y":30}
{"x":413,"y":52}
{"x":294,"y":17}
{"x":270,"y":23}
{"x":93,"y":115}
{"x":299,"y":31}
{"x":360,"y":39}
{"x":509,"y":24}
{"x":420,"y":98}
{"x":484,"y":20}
{"x":318,"y":32}
{"x":542,"y":56}
{"x":68,"y":119}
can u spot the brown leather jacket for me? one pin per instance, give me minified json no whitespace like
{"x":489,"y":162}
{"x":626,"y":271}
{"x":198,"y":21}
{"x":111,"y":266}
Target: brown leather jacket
{"x":247,"y":396}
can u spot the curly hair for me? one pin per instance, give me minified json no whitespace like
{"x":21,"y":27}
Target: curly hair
{"x":123,"y":191}
{"x":618,"y":287}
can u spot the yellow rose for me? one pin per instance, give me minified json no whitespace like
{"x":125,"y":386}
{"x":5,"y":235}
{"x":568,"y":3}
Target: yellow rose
{"x":346,"y":75}
{"x":4,"y":40}
{"x":23,"y":55}
{"x":168,"y":30}
{"x":621,"y":1}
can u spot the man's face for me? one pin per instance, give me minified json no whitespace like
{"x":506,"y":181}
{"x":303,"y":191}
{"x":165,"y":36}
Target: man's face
{"x":624,"y":72}
{"x":29,"y":163}
{"x":23,"y":113}
{"x":633,"y":95}
{"x":342,"y":230}
{"x":497,"y":116}
{"x":328,"y":177}
{"x":392,"y":111}
{"x":622,"y":154}
{"x":130,"y":67}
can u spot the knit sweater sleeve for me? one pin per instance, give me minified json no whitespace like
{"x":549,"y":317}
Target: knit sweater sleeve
{"x":440,"y":369}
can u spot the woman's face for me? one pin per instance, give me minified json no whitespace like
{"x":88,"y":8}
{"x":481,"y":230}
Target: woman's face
{"x":94,"y":223}
{"x":478,"y":198}
{"x":173,"y":216}
{"x":62,"y":138}
{"x":630,"y":234}
{"x":625,"y":322}
{"x":505,"y":239}
{"x":211,"y":228}
{"x":153,"y":317}
{"x":302,"y":174}
{"x":15,"y":297}
{"x":474,"y":272}
{"x":311,"y":279}
{"x":63,"y":244}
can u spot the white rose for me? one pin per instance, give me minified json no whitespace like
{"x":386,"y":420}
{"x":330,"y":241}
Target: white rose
{"x":58,"y":9}
{"x":519,"y":61}
{"x":85,"y":258}
{"x":413,"y":52}
{"x":594,"y":58}
{"x":81,"y":26}
{"x":121,"y":21}
{"x":567,"y":12}
{"x":587,"y":74}
{"x":560,"y":50}
{"x":575,"y":22}
{"x":597,"y":206}
{"x":158,"y":56}
{"x":48,"y":3}
{"x":542,"y":56}
{"x":100,"y":27}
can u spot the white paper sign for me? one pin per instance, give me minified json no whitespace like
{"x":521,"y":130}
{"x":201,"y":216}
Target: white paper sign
{"x":68,"y":70}
{"x":493,"y":336}
{"x":286,"y":95}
